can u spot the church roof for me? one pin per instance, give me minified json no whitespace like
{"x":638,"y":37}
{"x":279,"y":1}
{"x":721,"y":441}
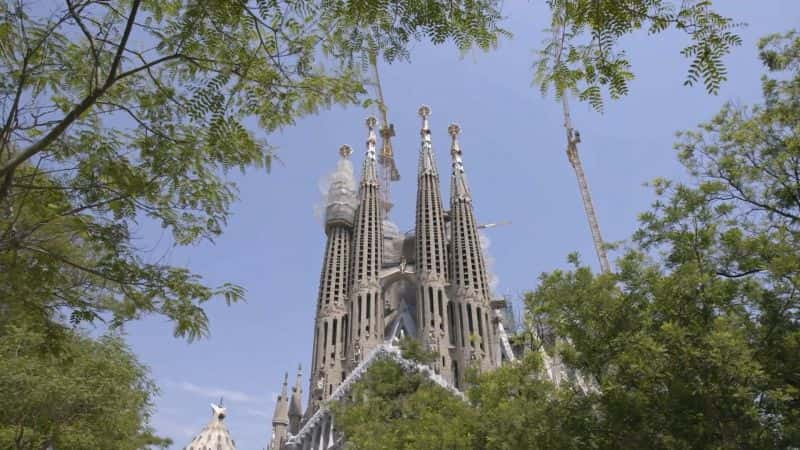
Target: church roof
{"x":215,"y":435}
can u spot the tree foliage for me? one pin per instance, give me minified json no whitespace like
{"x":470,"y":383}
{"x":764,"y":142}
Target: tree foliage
{"x":85,"y":393}
{"x":584,"y":55}
{"x":116,"y":114}
{"x":694,"y":341}
{"x":392,"y":408}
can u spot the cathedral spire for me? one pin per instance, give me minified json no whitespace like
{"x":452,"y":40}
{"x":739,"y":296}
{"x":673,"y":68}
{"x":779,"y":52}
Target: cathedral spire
{"x":365,"y":309}
{"x":331,"y":318}
{"x":436,"y":330}
{"x":470,"y":285}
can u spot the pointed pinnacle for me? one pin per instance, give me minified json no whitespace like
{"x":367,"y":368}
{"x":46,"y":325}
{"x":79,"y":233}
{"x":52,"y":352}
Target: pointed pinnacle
{"x":345,"y":151}
{"x":454,"y":130}
{"x":371,"y":122}
{"x":424,"y":112}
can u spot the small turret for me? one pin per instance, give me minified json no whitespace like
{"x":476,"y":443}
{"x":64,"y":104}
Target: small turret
{"x":280,"y":419}
{"x":295,"y":405}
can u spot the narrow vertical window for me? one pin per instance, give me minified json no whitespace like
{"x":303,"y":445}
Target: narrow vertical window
{"x":451,"y":325}
{"x":479,"y":316}
{"x":471,"y":326}
{"x":461,"y":323}
{"x":441,"y":311}
{"x":333,"y":339}
{"x":430,"y":303}
{"x":359,"y":317}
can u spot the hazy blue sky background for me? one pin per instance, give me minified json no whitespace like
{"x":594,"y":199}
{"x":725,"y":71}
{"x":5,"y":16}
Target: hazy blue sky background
{"x":513,"y":144}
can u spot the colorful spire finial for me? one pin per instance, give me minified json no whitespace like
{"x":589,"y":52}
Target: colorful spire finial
{"x":345,"y":151}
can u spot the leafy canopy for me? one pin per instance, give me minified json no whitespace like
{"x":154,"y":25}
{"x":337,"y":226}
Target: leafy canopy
{"x":116,"y":114}
{"x":584,"y":56}
{"x":86,"y":393}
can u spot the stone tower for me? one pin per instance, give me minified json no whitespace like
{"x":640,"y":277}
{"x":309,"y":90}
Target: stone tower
{"x":469,"y":284}
{"x":431,"y":257}
{"x":379,"y":285}
{"x":330,"y":325}
{"x":366,"y":306}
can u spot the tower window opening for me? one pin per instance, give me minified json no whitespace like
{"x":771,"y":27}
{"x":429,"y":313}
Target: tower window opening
{"x":471,"y":326}
{"x":441,"y":311}
{"x":451,"y":323}
{"x":430,"y":303}
{"x":359,"y":316}
{"x":333,"y":338}
{"x":345,"y":332}
{"x":461,"y":322}
{"x":324,"y":341}
{"x":480,"y":326}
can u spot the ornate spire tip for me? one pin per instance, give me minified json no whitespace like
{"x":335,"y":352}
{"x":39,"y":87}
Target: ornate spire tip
{"x":371,"y":121}
{"x":454,"y":130}
{"x":424,"y":111}
{"x":345,"y":151}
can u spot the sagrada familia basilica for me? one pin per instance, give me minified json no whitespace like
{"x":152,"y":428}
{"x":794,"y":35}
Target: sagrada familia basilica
{"x":379,"y":286}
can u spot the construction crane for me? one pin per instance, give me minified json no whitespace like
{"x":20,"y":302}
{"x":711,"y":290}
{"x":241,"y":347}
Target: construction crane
{"x":388,"y":169}
{"x":573,"y":139}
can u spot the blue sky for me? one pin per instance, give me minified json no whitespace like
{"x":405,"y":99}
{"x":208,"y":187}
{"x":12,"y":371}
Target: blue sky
{"x":513,"y":144}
